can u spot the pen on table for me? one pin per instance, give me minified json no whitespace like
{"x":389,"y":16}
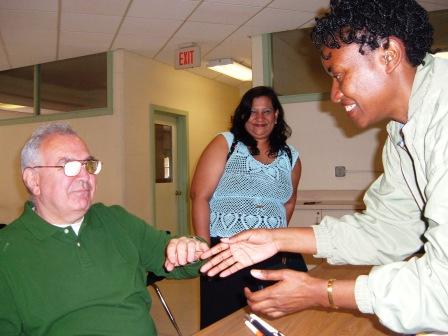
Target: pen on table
{"x":251,"y":327}
{"x":261,"y":328}
{"x":271,"y":330}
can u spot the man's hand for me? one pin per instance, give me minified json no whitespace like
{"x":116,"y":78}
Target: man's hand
{"x":294,"y":291}
{"x":183,"y":250}
{"x":239,"y":251}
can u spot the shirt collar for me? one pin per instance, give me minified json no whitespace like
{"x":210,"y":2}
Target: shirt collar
{"x":420,"y":88}
{"x":420,"y":85}
{"x":39,"y":227}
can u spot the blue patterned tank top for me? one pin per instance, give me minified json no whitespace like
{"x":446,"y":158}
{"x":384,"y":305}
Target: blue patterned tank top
{"x":251,"y":194}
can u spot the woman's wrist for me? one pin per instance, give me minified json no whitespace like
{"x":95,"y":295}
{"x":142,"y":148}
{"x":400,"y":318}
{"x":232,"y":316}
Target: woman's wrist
{"x":330,"y":294}
{"x":298,"y":240}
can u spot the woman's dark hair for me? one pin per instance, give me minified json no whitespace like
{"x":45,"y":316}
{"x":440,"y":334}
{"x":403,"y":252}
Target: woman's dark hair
{"x":371,"y":22}
{"x":281,"y":131}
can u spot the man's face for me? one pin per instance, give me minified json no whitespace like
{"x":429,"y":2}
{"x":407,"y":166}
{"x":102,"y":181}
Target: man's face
{"x":58,"y":198}
{"x":360,"y":83}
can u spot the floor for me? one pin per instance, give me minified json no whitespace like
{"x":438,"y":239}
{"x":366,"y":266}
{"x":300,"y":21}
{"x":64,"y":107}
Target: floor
{"x":182,"y":297}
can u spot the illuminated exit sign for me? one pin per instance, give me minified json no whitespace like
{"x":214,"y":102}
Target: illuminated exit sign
{"x":189,"y":57}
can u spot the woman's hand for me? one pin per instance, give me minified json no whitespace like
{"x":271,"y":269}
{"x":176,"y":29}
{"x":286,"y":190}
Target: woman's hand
{"x":294,"y":291}
{"x":239,"y":251}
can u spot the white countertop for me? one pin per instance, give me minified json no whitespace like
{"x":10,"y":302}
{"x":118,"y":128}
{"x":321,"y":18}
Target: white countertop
{"x":330,"y":199}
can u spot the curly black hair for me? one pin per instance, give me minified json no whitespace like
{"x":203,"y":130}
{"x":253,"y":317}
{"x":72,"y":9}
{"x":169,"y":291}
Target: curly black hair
{"x":281,"y":131}
{"x":371,"y":22}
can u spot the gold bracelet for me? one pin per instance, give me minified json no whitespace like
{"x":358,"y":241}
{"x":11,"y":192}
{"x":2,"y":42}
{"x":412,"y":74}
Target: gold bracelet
{"x":330,"y":293}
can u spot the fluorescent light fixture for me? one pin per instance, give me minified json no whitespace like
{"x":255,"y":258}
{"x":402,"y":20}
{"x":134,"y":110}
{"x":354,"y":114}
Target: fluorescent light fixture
{"x":442,"y":54}
{"x":16,"y":108}
{"x":10,"y":107}
{"x":229,"y":67}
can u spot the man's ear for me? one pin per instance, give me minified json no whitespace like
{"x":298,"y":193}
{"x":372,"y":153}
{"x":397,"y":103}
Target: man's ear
{"x":31,"y":180}
{"x":393,"y":55}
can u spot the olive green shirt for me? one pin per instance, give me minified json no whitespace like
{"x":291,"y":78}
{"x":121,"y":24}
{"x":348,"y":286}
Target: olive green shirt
{"x":53,"y":282}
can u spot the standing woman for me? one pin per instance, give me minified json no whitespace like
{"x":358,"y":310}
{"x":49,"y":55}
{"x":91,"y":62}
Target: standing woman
{"x":246,"y":178}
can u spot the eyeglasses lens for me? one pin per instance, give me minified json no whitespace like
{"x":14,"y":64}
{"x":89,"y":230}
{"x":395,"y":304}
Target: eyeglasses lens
{"x":93,"y":166}
{"x":73,"y":168}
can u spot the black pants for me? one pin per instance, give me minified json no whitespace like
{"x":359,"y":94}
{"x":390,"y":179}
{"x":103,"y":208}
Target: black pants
{"x":222,"y":296}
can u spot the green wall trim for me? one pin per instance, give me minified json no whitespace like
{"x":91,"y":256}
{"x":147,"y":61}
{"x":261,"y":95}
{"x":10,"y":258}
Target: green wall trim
{"x":183,"y":179}
{"x":306,"y":97}
{"x":66,"y":115}
{"x":57,"y":116}
{"x":36,"y":90}
{"x":110,"y":82}
{"x":266,"y":46}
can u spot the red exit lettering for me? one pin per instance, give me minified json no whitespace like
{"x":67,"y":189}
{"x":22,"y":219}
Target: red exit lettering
{"x":186,"y":57}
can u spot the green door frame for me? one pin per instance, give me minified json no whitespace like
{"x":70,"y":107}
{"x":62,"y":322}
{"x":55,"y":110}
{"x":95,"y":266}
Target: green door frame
{"x":182,"y":163}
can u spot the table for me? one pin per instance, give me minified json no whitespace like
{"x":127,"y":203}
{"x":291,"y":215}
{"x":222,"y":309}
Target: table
{"x":311,"y":322}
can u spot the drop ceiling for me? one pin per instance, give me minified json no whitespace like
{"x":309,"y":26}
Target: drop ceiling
{"x":39,"y":31}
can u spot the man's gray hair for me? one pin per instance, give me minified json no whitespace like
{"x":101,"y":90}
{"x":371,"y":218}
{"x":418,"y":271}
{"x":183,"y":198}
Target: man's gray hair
{"x":30,"y":155}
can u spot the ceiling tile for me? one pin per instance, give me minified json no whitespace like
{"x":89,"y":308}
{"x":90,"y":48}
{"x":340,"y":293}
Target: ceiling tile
{"x":255,"y":3}
{"x":274,"y":20}
{"x":30,"y":47}
{"x":30,"y":20}
{"x":223,"y":13}
{"x":73,"y":44}
{"x":165,"y":56}
{"x":28,"y":39}
{"x":434,"y":5}
{"x":41,"y":5}
{"x":89,"y":23}
{"x":443,"y":3}
{"x":204,"y":32}
{"x":101,"y":7}
{"x":238,"y":46}
{"x":166,"y":9}
{"x":142,"y":44}
{"x":29,"y":27}
{"x":306,"y":6}
{"x":155,"y":27}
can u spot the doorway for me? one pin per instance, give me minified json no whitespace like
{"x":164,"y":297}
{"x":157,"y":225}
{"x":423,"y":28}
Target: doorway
{"x":170,"y":162}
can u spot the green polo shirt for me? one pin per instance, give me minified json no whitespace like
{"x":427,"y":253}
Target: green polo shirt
{"x":53,"y":282}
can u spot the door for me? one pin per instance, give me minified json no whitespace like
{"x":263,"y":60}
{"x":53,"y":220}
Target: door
{"x":171,"y":178}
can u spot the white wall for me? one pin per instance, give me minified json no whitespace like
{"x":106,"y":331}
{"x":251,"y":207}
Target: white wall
{"x":209,"y":105}
{"x":325,"y":138}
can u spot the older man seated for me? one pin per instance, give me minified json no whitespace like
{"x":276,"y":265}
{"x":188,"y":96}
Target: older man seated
{"x":70,"y":267}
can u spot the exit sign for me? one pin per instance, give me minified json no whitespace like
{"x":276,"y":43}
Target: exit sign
{"x":189,"y":57}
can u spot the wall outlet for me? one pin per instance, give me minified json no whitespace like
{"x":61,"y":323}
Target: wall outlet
{"x":339,"y":171}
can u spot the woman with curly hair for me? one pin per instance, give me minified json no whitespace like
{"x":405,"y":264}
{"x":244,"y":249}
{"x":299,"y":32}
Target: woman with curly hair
{"x":377,"y":53}
{"x":246,"y":178}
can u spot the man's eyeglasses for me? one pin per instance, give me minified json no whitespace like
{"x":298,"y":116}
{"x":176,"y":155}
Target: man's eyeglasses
{"x":73,"y":168}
